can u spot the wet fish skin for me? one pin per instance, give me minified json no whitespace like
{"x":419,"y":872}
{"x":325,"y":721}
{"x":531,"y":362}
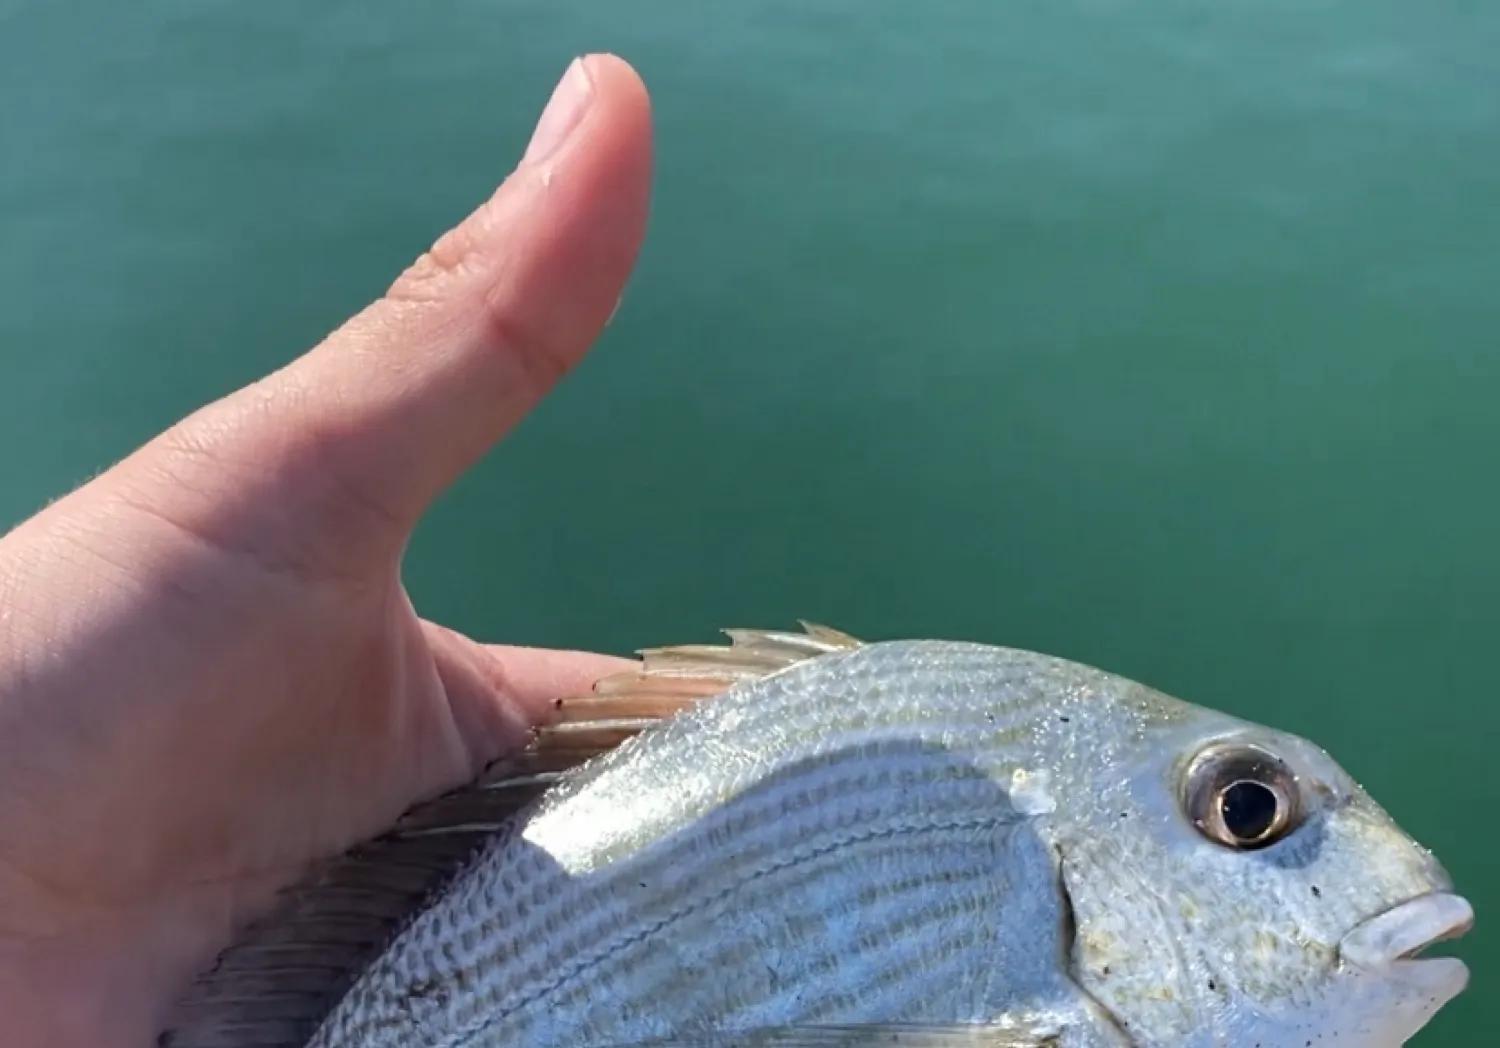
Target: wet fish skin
{"x":955,"y":840}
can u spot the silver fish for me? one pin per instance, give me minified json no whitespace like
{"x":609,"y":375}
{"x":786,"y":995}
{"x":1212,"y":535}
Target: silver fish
{"x":800,"y":840}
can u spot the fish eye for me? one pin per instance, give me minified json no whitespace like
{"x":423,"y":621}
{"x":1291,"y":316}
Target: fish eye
{"x":1241,"y":796}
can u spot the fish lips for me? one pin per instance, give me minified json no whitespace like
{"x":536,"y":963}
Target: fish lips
{"x":1389,"y":943}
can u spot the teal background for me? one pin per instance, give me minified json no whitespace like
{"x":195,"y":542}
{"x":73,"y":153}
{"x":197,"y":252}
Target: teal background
{"x":1160,"y":335}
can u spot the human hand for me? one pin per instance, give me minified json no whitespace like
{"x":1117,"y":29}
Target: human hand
{"x":210,"y":672}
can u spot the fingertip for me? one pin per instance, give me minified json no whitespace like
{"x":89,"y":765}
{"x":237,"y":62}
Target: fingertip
{"x":614,"y":76}
{"x":536,"y":678}
{"x":618,"y":80}
{"x":499,"y":693}
{"x":596,"y":94}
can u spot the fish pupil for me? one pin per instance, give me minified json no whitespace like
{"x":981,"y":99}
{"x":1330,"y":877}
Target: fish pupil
{"x":1249,"y":810}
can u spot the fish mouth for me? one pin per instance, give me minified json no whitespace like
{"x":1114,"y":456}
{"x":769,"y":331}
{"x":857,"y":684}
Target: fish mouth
{"x":1395,"y":939}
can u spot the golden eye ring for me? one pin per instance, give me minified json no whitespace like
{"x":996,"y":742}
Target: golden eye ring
{"x":1241,"y":797}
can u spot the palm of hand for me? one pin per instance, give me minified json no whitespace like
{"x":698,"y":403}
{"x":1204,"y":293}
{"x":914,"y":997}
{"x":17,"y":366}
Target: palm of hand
{"x":210,"y":673}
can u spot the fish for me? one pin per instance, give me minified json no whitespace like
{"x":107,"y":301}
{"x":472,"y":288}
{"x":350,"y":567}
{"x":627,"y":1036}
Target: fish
{"x":799,"y":839}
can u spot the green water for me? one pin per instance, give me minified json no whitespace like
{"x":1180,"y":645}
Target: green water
{"x":1161,"y":335}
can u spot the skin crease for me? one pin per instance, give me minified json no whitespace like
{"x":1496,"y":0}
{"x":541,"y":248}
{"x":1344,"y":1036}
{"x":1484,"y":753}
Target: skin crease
{"x":210,"y":673}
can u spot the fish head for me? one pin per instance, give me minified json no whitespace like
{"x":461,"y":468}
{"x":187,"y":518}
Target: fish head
{"x":1235,"y":886}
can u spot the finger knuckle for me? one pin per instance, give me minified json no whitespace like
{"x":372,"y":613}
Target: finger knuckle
{"x":456,"y":275}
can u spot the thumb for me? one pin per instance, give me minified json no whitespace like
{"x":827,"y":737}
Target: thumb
{"x":339,"y":454}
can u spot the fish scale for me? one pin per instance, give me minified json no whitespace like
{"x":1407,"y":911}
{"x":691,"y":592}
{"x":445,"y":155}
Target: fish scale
{"x":841,"y":723}
{"x":802,"y":840}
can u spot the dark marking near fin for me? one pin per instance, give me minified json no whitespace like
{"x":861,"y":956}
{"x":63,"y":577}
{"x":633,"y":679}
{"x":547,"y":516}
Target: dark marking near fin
{"x":290,"y":967}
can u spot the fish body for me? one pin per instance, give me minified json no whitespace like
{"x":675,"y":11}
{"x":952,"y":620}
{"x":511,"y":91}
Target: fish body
{"x":820,"y":841}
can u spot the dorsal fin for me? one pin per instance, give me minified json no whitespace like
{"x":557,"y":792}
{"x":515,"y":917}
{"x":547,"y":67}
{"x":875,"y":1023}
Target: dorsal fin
{"x":273,"y":987}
